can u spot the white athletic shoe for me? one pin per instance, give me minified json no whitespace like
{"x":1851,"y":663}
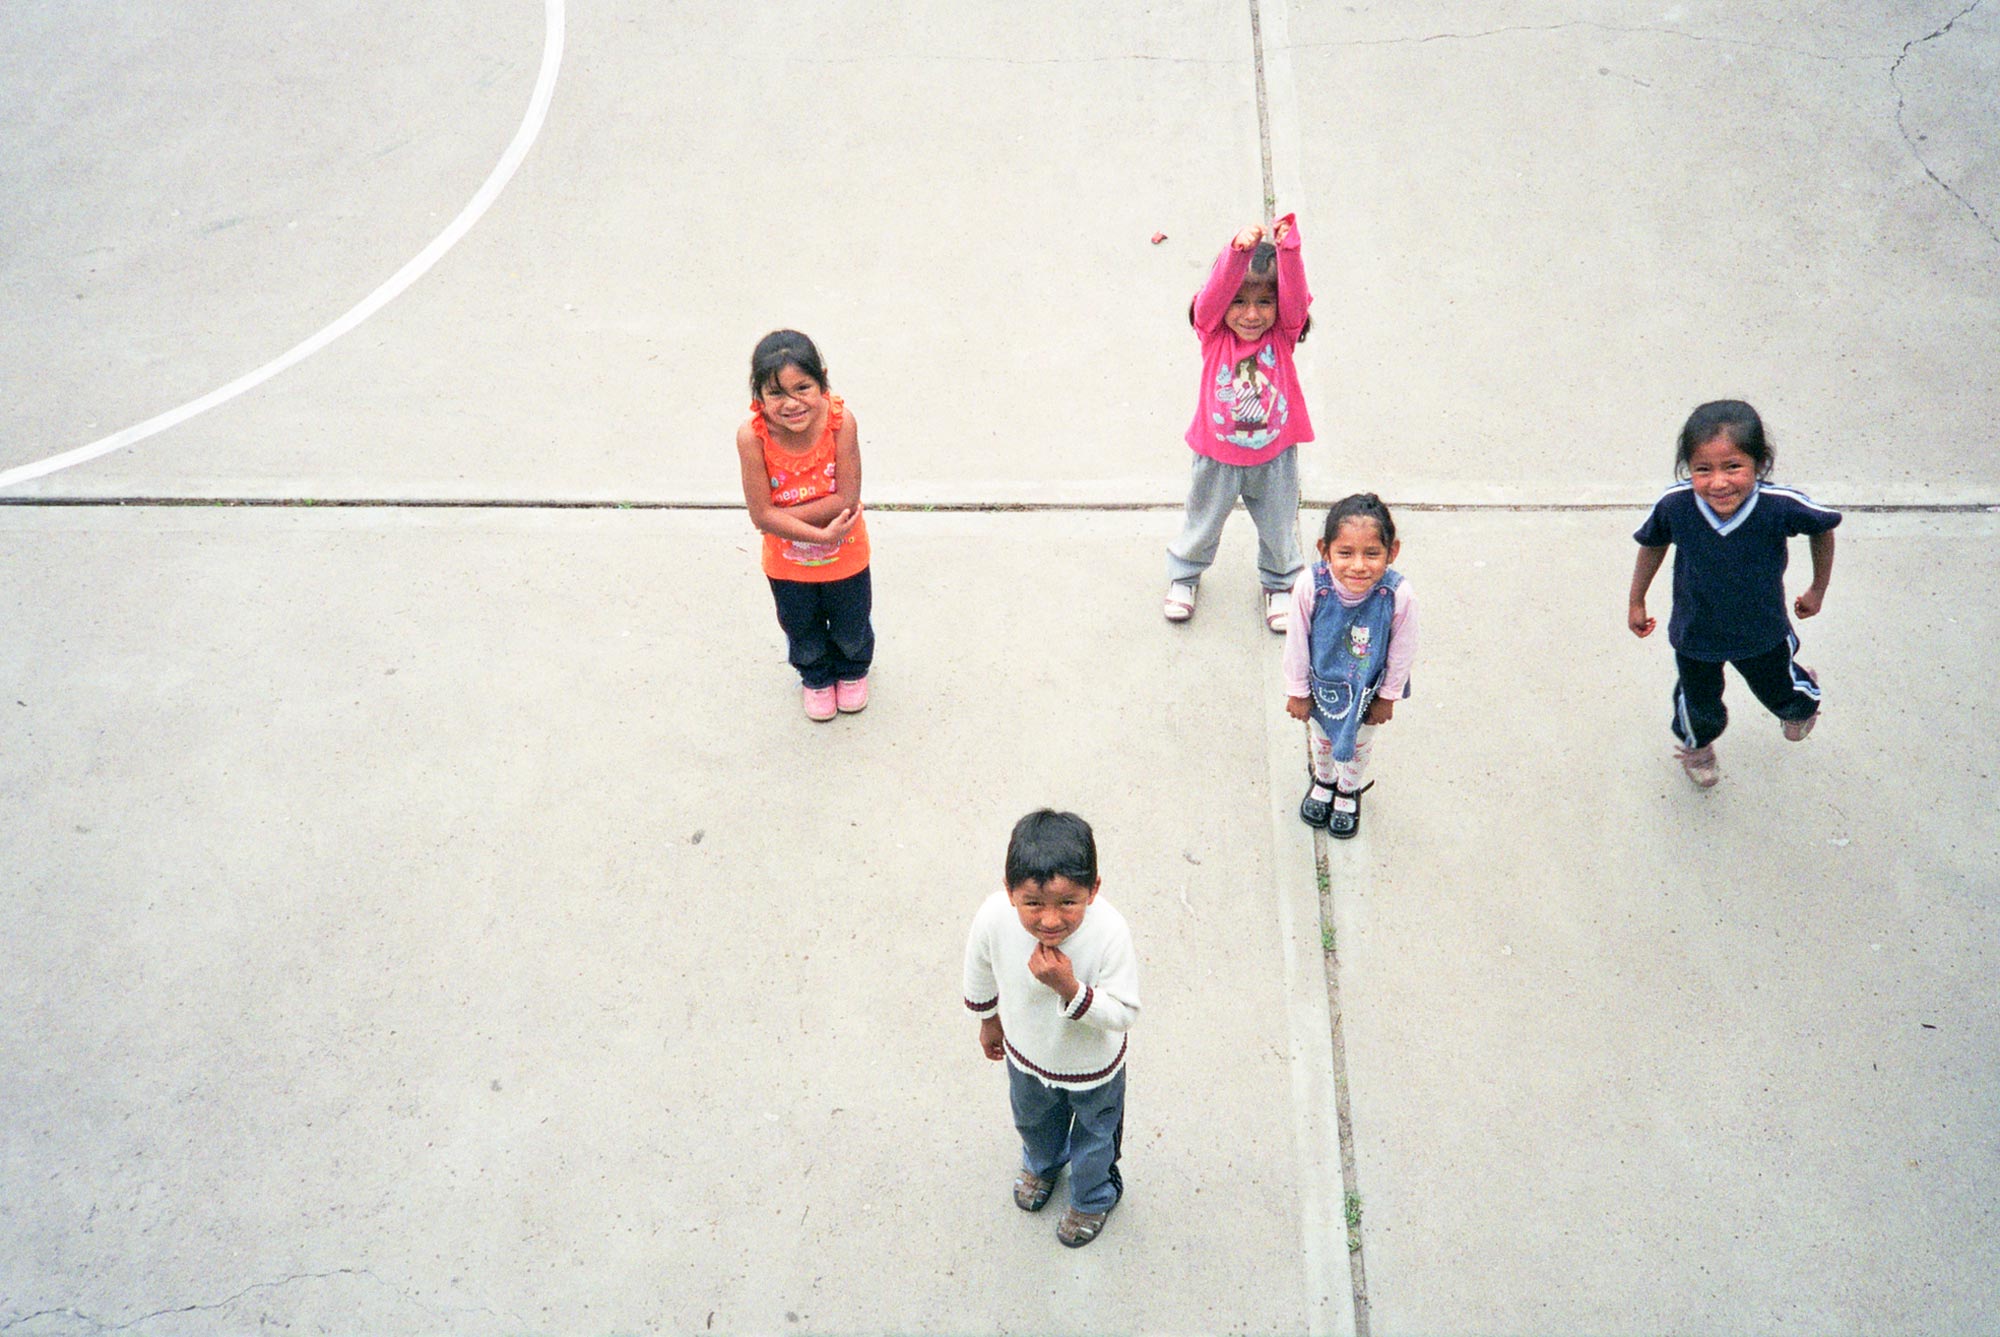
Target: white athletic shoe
{"x":1277,"y":609}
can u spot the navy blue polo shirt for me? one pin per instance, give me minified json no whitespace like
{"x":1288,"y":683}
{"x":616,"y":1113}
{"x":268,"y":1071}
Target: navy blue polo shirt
{"x":1729,"y":575}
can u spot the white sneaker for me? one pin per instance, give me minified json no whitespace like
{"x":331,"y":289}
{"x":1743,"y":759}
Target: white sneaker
{"x":1277,"y":610}
{"x":1180,"y":601}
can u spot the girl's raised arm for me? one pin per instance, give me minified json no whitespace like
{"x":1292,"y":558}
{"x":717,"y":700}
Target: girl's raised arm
{"x":1294,"y":298}
{"x":1211,"y":304}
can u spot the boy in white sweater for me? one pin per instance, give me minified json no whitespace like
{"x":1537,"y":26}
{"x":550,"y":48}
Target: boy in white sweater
{"x":1050,"y":972}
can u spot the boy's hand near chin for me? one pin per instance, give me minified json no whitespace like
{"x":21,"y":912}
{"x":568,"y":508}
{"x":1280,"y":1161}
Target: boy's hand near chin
{"x":1051,"y":967}
{"x":992,"y":1041}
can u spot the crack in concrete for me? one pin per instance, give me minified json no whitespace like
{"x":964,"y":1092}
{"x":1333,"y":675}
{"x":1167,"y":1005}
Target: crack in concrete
{"x":102,"y":1326}
{"x":1633,"y":29}
{"x":1903,"y":128}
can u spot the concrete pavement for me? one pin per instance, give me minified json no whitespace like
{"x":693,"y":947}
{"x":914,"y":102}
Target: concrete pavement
{"x":428,"y":920}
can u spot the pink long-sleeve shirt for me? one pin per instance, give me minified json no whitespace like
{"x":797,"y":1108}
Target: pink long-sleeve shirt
{"x":1298,"y":630}
{"x":1251,"y":409}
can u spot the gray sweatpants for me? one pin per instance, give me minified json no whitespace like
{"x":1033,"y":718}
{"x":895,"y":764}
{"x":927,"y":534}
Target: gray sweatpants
{"x":1270,"y":492}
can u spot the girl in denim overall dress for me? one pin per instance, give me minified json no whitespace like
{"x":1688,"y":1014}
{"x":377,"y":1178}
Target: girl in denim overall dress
{"x":1349,"y":645}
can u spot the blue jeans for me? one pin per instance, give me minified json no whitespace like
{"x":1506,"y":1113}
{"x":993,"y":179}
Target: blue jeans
{"x":1082,"y":1128}
{"x":828,"y":634}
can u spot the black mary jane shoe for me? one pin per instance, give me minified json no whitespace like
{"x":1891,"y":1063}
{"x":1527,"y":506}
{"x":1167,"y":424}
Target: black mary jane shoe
{"x":1316,"y":811}
{"x":1344,"y":817}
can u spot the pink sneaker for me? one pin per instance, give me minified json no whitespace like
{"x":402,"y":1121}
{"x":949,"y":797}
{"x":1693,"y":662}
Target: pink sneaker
{"x":1796,"y":730}
{"x":820,"y":704}
{"x":1699,"y":763}
{"x":851,"y":697}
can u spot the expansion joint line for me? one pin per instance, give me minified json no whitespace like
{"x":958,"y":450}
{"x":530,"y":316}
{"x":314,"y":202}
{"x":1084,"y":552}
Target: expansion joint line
{"x":1263,"y":110}
{"x":1329,"y":958}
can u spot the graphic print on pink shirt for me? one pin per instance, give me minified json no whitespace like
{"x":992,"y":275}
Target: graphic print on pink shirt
{"x":1249,"y":410}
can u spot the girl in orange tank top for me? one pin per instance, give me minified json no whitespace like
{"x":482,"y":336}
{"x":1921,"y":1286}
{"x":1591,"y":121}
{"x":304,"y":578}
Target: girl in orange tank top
{"x":801,"y":459}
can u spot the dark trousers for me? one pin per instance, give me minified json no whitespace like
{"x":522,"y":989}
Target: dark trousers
{"x":1774,"y":677}
{"x":1084,"y":1128}
{"x":828,"y":635}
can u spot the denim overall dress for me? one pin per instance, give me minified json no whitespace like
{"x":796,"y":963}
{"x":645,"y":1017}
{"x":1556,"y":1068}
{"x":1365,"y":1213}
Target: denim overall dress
{"x":1350,"y":653}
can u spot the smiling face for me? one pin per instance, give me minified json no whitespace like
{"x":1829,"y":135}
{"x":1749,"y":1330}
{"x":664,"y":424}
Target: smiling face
{"x":1253,"y":311}
{"x":1051,"y":910}
{"x":792,"y":401}
{"x":1356,"y":555}
{"x":1723,"y":474}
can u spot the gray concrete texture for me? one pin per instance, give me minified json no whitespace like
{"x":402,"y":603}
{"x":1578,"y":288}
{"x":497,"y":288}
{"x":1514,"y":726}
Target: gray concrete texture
{"x":428,"y":920}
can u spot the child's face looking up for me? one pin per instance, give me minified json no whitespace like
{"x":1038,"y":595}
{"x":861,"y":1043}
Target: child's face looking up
{"x":1723,"y":474}
{"x":791,"y":399}
{"x":1051,"y":910}
{"x":1253,"y":311}
{"x":1356,"y":555}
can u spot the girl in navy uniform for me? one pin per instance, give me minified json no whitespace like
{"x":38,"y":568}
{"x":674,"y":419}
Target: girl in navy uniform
{"x":1349,"y":643}
{"x":1729,"y":528}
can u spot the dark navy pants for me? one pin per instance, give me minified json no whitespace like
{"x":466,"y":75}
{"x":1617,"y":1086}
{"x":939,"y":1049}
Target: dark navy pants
{"x":828,"y":634}
{"x":1084,"y":1128}
{"x":1774,"y":677}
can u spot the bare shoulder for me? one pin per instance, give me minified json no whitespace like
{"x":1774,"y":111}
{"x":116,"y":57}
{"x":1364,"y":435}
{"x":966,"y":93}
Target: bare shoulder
{"x":746,"y":439}
{"x":848,"y":434}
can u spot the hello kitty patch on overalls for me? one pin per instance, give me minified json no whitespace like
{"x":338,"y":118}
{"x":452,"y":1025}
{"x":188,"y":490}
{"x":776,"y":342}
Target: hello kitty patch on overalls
{"x":1350,"y":653}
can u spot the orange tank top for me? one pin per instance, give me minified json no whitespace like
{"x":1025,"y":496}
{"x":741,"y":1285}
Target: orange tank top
{"x":800,"y":476}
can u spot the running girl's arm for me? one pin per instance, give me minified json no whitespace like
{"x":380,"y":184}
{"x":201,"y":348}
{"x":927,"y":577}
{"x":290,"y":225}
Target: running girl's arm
{"x":785,"y":523}
{"x":1211,"y":304}
{"x":1807,"y":604}
{"x":1643,"y":571}
{"x":1293,"y":295}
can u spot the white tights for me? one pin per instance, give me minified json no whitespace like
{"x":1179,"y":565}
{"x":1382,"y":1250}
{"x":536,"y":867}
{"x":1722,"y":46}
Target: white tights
{"x":1346,"y":774}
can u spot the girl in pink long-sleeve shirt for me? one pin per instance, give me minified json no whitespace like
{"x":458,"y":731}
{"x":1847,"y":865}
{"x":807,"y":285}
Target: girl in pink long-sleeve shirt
{"x":1251,"y":416}
{"x":1348,"y":651}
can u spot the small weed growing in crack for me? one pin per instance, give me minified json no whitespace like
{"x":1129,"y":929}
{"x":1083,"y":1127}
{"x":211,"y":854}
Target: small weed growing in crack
{"x":1354,"y":1211}
{"x":1326,"y":937}
{"x":1325,"y":882}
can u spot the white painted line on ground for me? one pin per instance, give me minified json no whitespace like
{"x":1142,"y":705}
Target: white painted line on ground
{"x":503,"y":172}
{"x":1309,"y":1025}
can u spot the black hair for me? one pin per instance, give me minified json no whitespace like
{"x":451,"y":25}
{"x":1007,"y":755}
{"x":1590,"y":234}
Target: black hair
{"x":1360,"y":506}
{"x":1726,"y":417}
{"x":1049,"y":844}
{"x":1264,"y":269}
{"x":780,"y":349}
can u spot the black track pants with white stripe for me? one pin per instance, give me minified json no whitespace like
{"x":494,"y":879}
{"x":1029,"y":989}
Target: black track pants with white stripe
{"x":1774,"y":677}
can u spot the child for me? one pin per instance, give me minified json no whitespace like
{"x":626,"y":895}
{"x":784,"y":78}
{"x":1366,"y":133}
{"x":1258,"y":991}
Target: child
{"x":1729,"y":528}
{"x":1250,"y":416}
{"x":801,"y":459}
{"x":1050,"y":971}
{"x":1348,"y":650}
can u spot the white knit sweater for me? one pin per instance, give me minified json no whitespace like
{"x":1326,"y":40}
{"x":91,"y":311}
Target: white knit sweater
{"x":1075,"y":1047}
